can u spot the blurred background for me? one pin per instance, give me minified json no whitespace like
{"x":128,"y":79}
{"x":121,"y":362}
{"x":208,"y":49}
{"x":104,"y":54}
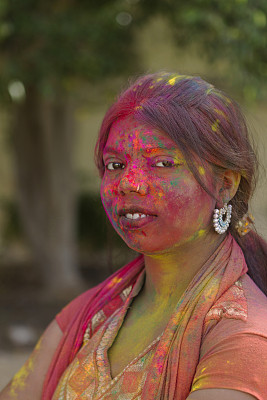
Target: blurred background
{"x":62,"y":63}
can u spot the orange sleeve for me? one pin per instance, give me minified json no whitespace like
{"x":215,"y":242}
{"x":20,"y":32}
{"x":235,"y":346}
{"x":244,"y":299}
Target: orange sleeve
{"x":237,"y":362}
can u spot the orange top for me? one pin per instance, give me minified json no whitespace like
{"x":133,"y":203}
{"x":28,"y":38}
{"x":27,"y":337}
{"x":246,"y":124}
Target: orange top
{"x":89,"y":376}
{"x":233,"y":353}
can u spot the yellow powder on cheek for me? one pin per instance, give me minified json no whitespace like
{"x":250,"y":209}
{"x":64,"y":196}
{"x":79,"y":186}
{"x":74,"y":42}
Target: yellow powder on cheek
{"x":160,"y":194}
{"x":201,"y":232}
{"x":198,"y":234}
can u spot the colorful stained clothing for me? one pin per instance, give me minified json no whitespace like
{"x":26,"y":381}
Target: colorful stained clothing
{"x":215,"y":338}
{"x":89,"y":375}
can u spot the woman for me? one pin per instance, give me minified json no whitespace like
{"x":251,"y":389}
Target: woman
{"x":184,"y":320}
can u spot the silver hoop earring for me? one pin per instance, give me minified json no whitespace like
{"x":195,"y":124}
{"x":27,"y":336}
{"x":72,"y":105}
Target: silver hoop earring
{"x":221,"y":225}
{"x":138,"y":187}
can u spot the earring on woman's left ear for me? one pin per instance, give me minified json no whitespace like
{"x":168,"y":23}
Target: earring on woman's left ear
{"x":220,"y":223}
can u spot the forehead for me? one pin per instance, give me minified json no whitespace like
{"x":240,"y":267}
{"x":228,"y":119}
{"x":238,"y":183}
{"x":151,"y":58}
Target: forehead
{"x":129,"y":133}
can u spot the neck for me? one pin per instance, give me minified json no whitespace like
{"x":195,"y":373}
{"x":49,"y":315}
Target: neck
{"x":168,"y":274}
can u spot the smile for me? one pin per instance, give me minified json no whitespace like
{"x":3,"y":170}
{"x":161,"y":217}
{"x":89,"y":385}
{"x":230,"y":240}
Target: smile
{"x":135,"y":216}
{"x":136,"y":220}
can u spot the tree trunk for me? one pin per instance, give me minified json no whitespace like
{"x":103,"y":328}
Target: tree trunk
{"x":43,"y":133}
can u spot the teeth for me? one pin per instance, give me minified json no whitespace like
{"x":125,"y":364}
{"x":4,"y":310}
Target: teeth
{"x":134,"y":216}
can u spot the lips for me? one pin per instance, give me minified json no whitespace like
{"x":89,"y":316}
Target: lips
{"x":135,"y":210}
{"x":145,"y":216}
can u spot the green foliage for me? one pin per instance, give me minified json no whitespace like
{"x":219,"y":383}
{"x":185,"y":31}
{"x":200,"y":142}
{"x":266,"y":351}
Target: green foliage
{"x":235,"y":30}
{"x":48,"y":42}
{"x":232,"y":29}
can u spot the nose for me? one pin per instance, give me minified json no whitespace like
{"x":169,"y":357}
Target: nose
{"x":131,"y":182}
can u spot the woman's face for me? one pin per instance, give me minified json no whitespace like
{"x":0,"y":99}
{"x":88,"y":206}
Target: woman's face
{"x":151,"y":198}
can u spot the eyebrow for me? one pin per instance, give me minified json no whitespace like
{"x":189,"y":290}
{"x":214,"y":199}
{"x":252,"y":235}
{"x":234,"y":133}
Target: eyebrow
{"x":148,"y":150}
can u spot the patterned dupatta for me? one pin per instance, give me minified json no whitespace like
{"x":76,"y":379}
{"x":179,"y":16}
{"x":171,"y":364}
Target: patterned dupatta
{"x":174,"y":363}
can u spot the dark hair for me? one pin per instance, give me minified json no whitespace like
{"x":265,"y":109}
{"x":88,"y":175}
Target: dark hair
{"x":206,"y":123}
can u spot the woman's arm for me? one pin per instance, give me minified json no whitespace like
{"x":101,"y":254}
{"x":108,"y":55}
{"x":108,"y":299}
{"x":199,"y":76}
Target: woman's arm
{"x":28,"y":382}
{"x":219,"y":394}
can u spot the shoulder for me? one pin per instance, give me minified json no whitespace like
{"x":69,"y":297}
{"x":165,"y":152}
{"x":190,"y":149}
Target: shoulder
{"x":234,"y":340}
{"x":28,"y":382}
{"x":256,"y":305}
{"x":237,"y":321}
{"x":241,"y":309}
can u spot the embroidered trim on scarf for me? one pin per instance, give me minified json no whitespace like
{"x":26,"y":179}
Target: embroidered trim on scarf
{"x":232,"y":304}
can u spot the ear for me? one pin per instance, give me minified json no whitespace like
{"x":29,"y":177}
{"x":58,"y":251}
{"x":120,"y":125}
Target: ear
{"x":228,"y":185}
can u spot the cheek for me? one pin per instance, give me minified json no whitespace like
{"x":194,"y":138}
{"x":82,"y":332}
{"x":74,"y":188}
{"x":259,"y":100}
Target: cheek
{"x":108,"y":193}
{"x":187,"y":204}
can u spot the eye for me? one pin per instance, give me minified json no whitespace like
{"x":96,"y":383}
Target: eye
{"x":114,"y":165}
{"x":165,"y":163}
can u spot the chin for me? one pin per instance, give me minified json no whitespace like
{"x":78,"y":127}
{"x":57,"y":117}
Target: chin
{"x":147,"y":248}
{"x":141,"y":246}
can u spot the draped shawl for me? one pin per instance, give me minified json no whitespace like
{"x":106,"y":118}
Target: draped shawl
{"x":174,"y":364}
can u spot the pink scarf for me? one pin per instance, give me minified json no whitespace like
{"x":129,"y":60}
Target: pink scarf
{"x":176,"y":358}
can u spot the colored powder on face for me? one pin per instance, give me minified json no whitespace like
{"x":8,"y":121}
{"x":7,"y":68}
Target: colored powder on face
{"x":201,"y":232}
{"x":215,"y":125}
{"x":198,"y":234}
